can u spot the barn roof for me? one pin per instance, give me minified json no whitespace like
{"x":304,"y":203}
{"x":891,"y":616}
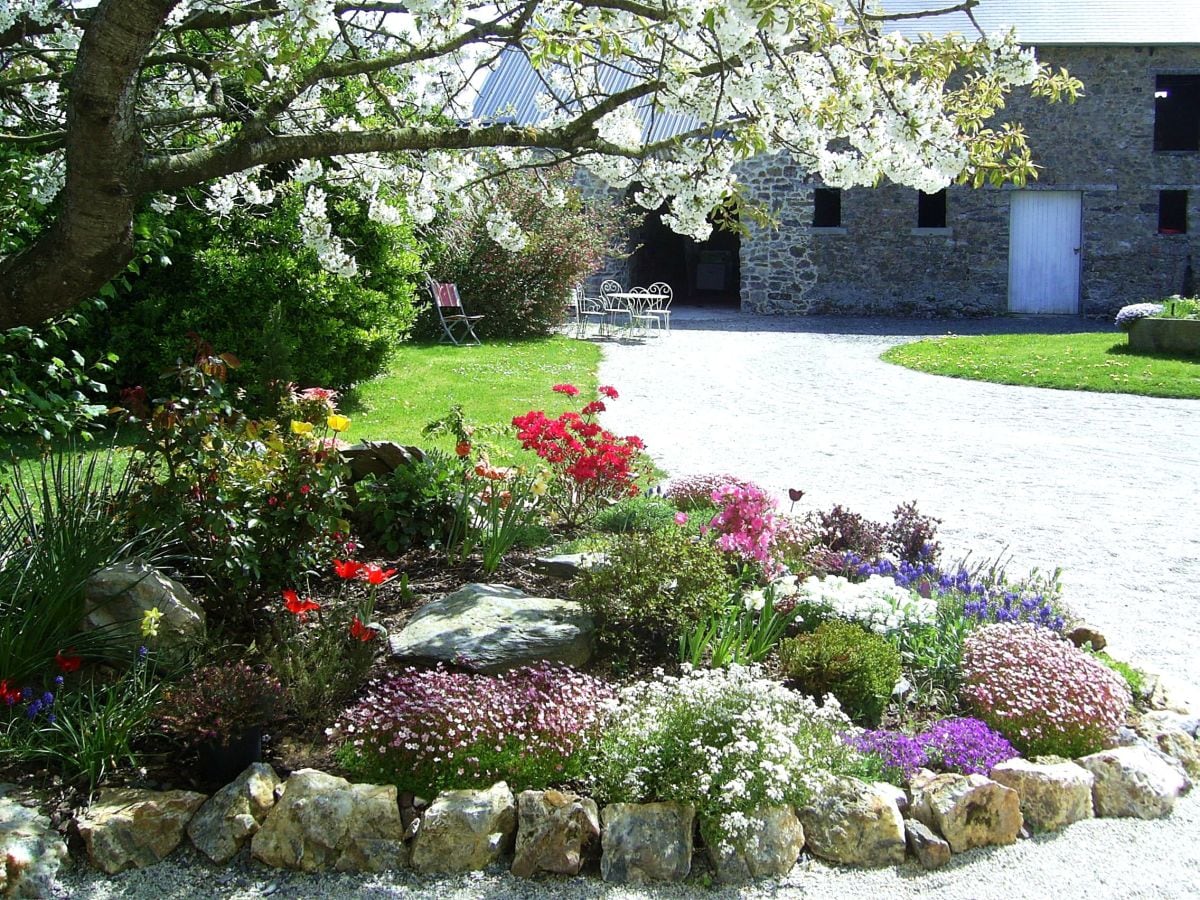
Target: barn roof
{"x":510,"y":92}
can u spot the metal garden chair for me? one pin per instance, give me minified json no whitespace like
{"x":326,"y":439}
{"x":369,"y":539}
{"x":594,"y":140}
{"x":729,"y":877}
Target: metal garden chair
{"x":457,"y":327}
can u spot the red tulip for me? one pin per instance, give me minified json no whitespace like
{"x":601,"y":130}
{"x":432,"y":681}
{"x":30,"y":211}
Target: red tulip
{"x":375,"y":575}
{"x":360,"y":631}
{"x":68,"y":662}
{"x":296,"y":606}
{"x":348,"y":568}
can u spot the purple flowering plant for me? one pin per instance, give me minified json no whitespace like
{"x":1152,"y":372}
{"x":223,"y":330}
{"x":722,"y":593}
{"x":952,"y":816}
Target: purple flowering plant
{"x":430,"y":730}
{"x":1127,"y":315}
{"x":964,"y":745}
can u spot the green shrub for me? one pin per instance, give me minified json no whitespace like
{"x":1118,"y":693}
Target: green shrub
{"x":859,"y":668}
{"x":636,"y":514}
{"x":656,"y":587}
{"x":253,"y":288}
{"x":412,"y":506}
{"x":522,"y":293}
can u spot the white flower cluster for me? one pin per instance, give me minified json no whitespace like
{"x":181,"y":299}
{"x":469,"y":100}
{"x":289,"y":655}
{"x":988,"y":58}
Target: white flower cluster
{"x":314,"y":226}
{"x":878,"y":603}
{"x":728,"y":740}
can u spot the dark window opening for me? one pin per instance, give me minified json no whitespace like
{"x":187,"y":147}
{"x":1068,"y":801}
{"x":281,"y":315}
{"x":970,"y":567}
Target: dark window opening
{"x":1172,"y":212}
{"x":1177,"y":112}
{"x":931,"y":209}
{"x":827,"y":208}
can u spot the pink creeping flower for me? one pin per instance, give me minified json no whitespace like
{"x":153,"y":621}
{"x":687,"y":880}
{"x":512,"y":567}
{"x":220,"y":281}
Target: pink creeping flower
{"x":569,"y":389}
{"x":681,"y":518}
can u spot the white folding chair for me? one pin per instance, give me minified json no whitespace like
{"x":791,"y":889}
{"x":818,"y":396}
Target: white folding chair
{"x":660,"y":304}
{"x":642,"y":317}
{"x":612,"y":306}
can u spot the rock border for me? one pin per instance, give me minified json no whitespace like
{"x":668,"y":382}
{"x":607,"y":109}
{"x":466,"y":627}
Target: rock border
{"x":313,"y":821}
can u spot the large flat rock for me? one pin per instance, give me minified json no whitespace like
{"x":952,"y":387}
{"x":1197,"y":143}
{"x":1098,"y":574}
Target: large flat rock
{"x":493,"y":628}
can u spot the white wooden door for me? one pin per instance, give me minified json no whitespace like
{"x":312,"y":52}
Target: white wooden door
{"x":1043,"y":251}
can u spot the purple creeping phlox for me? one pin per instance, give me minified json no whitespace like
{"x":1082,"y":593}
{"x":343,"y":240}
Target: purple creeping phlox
{"x":967,"y":746}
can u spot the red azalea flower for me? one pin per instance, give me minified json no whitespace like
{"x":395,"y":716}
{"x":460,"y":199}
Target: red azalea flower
{"x":347,"y":569}
{"x":375,"y":575}
{"x":569,"y":389}
{"x":9,"y":694}
{"x":360,"y":631}
{"x":296,"y":606}
{"x":304,"y":488}
{"x":68,"y":662}
{"x":606,"y":391}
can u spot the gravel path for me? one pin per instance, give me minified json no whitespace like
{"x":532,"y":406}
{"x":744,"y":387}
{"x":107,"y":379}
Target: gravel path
{"x":1101,"y":485}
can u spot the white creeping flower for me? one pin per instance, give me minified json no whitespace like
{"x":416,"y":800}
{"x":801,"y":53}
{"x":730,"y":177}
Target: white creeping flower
{"x":879,"y":603}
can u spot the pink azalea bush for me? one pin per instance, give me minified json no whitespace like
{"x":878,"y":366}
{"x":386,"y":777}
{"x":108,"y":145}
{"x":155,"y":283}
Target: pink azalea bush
{"x":430,"y":730}
{"x":746,"y":523}
{"x":1040,"y":691}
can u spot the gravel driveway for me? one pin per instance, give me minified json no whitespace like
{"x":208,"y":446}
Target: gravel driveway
{"x":1101,"y":485}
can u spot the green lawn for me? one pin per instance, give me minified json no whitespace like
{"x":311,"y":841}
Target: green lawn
{"x":492,"y":382}
{"x":1073,"y":362}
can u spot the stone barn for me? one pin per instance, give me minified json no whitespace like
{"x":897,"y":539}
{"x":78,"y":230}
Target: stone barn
{"x":1110,"y":219}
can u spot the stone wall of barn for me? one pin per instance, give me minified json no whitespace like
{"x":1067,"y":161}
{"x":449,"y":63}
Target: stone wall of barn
{"x":878,"y":261}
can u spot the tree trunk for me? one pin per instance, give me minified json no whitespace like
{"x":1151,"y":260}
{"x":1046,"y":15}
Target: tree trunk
{"x":91,"y":239}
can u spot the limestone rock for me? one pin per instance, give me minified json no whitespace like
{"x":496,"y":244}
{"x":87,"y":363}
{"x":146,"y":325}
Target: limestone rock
{"x":118,"y":596}
{"x":493,"y":628}
{"x":553,"y":831}
{"x":129,"y":828}
{"x":645,"y":842}
{"x":1181,"y":747}
{"x":1052,"y":795}
{"x":233,"y":814}
{"x":1134,"y":782}
{"x":1084,"y":633}
{"x":1154,"y":721}
{"x":854,"y":823}
{"x":967,"y":810}
{"x":930,"y":850}
{"x":567,"y":565}
{"x":770,"y":848}
{"x":30,"y":851}
{"x":322,"y":821}
{"x":465,"y":830}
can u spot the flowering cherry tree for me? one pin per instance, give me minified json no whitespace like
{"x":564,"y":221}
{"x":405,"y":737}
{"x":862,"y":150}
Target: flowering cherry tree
{"x":107,"y":107}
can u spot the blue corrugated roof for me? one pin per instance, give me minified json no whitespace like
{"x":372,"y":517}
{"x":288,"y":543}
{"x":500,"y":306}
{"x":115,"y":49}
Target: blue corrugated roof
{"x":510,"y":94}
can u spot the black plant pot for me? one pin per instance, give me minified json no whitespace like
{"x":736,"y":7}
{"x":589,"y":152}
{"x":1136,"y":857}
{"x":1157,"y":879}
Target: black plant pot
{"x":217,"y":762}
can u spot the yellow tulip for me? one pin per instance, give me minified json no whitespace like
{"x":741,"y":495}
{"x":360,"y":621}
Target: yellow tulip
{"x":337,"y":423}
{"x":299,"y":427}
